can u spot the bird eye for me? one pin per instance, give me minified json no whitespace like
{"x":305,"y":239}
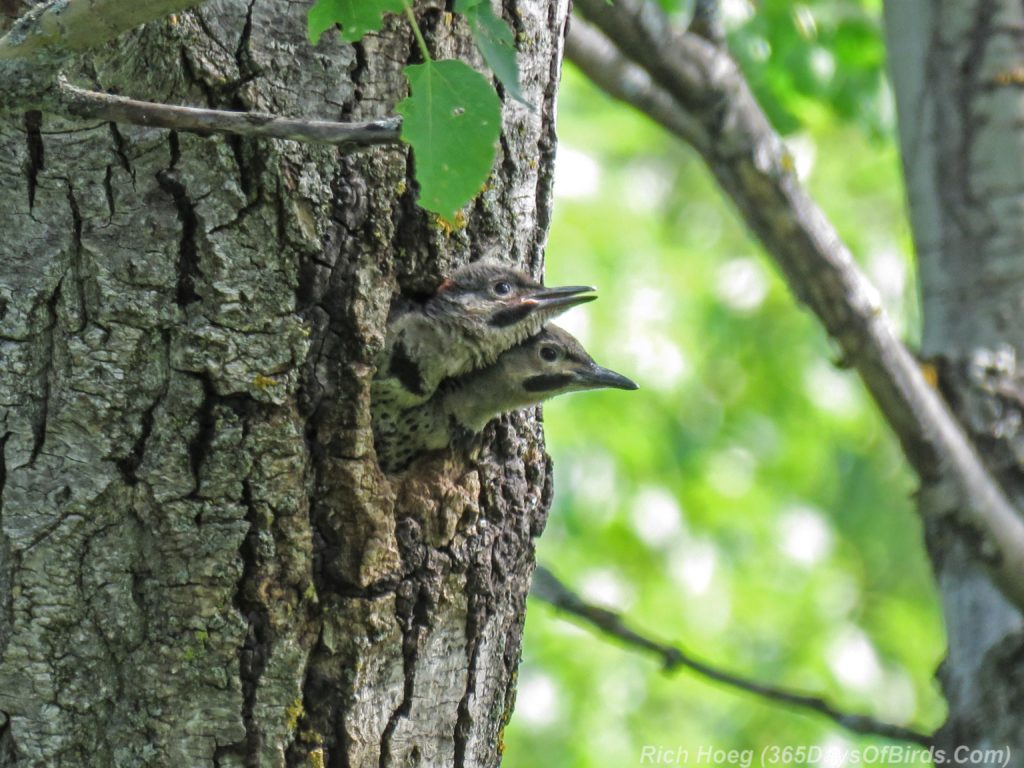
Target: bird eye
{"x":502,"y":288}
{"x":550,"y":354}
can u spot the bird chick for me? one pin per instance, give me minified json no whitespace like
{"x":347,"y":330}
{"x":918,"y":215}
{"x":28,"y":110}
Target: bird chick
{"x":482,"y":310}
{"x":550,"y":363}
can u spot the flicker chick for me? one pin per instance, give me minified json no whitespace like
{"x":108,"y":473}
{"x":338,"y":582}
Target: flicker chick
{"x":547,"y":364}
{"x":482,"y":310}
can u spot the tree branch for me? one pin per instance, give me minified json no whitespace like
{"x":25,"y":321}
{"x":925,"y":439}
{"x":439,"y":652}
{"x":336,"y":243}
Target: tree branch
{"x":33,"y":51}
{"x":707,"y":21}
{"x":619,"y":77}
{"x":547,"y":588}
{"x":65,"y":26}
{"x":636,"y":44}
{"x":102,"y":106}
{"x":43,"y":40}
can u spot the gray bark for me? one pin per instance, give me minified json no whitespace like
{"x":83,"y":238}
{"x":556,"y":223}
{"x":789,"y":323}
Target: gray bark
{"x":956,"y":68}
{"x":200,"y":561}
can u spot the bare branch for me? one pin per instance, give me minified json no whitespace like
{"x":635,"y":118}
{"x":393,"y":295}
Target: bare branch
{"x":55,"y":29}
{"x":65,"y":26}
{"x":602,"y":62}
{"x":102,"y":106}
{"x":751,"y":163}
{"x":707,"y":20}
{"x":43,"y":40}
{"x":549,"y":589}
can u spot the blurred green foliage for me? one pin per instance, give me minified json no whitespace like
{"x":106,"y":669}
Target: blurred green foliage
{"x":803,"y":57}
{"x":748,"y":502}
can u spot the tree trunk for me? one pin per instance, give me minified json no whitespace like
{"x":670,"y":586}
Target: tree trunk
{"x":957,"y":70}
{"x":200,"y":561}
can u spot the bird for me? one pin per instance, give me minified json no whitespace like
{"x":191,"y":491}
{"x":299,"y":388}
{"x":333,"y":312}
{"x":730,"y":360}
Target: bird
{"x":479,"y":312}
{"x":550,"y":363}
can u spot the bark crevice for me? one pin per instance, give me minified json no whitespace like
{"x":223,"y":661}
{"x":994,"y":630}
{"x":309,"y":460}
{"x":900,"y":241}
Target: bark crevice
{"x":464,"y":720}
{"x":35,"y":152}
{"x":411,"y":613}
{"x":205,"y":418}
{"x":75,"y":272}
{"x":188,"y":252}
{"x":130,"y":463}
{"x":121,"y":150}
{"x":3,"y":470}
{"x":259,"y":639}
{"x":42,"y":415}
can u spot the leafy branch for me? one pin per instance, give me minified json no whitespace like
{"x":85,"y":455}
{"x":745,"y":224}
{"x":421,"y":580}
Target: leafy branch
{"x":452,"y":116}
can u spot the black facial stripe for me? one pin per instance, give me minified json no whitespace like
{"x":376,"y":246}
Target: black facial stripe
{"x":506,"y":317}
{"x":547,"y":382}
{"x":406,"y":370}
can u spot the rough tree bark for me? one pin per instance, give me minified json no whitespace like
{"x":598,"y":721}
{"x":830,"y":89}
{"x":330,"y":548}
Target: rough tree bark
{"x":200,"y":562}
{"x":957,"y":68}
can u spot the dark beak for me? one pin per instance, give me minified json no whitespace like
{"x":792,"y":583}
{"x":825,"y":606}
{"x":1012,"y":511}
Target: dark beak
{"x":559,"y":298}
{"x":594,"y":376}
{"x":545,"y":301}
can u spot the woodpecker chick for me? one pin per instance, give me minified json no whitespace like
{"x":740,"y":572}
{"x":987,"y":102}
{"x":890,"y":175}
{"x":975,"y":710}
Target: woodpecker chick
{"x":482,"y":310}
{"x":550,"y":363}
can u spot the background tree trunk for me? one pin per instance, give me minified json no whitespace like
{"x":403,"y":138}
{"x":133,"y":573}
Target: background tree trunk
{"x":200,"y":562}
{"x":957,"y":69}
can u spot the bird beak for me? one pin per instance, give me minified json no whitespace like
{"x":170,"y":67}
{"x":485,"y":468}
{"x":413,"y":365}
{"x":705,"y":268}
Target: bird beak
{"x":559,"y":298}
{"x":594,"y":376}
{"x":543,"y":303}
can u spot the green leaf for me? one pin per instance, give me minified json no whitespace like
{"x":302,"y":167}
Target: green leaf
{"x":356,"y":17}
{"x":452,"y":118}
{"x":495,"y":41}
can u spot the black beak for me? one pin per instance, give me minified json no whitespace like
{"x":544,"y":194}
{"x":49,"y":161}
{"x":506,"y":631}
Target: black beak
{"x":594,"y":376}
{"x":547,"y":301}
{"x":559,"y":298}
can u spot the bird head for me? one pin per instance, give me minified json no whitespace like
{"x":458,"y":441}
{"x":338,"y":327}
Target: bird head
{"x":553,"y":362}
{"x":547,"y":364}
{"x":487,"y":299}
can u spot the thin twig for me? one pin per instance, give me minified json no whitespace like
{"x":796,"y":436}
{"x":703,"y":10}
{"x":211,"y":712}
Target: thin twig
{"x":735,"y":138}
{"x":103,"y":106}
{"x":549,"y":589}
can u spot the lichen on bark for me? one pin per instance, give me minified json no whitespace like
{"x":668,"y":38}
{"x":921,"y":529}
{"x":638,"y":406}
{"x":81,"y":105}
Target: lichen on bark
{"x":200,"y":562}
